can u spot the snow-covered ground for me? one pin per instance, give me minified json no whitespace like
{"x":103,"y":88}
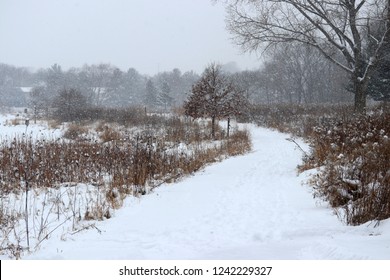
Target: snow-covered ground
{"x":247,"y":207}
{"x":12,"y":125}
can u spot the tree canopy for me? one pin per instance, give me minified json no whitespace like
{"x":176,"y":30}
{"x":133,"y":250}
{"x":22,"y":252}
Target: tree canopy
{"x":339,"y":29}
{"x":214,"y":96}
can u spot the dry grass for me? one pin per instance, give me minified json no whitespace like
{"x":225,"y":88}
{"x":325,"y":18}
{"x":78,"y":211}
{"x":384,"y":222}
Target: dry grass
{"x":355,"y":157}
{"x":15,"y":122}
{"x":109,"y":134}
{"x":239,"y":143}
{"x":75,"y":132}
{"x":127,"y":160}
{"x":53,"y":124}
{"x":299,"y":120}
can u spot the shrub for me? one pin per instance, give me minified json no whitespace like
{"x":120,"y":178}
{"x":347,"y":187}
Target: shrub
{"x":74,"y":132}
{"x":109,"y":134}
{"x":299,"y":120}
{"x":354,"y":155}
{"x":239,"y":143}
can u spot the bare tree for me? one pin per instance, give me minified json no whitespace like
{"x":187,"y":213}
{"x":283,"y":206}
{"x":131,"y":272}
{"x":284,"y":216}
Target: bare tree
{"x":214,"y":96}
{"x":70,"y":104}
{"x":339,"y":29}
{"x":151,"y":94}
{"x":164,"y":98}
{"x":39,"y":100}
{"x":299,"y":74}
{"x":100,"y":82}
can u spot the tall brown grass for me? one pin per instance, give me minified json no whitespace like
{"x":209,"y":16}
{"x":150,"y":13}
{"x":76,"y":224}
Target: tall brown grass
{"x":355,"y":157}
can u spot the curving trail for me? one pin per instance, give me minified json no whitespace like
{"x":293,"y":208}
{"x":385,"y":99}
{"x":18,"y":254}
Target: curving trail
{"x":248,"y":207}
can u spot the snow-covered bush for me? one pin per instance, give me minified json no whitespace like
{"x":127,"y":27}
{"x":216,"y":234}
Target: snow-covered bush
{"x":299,"y":120}
{"x":354,"y":156}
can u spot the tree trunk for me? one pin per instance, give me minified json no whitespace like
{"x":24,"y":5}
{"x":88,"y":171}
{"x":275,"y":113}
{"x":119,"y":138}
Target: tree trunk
{"x":360,"y":99}
{"x":228,"y":127}
{"x":360,"y":95}
{"x":213,"y":127}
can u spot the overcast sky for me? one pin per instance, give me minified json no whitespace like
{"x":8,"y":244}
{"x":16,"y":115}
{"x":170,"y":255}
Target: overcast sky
{"x":149,"y":35}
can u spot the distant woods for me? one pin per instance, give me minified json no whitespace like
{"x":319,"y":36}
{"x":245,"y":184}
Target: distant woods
{"x":102,"y":85}
{"x":293,"y":74}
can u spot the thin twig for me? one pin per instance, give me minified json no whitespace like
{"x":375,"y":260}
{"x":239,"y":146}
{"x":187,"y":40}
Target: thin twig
{"x":47,"y":235}
{"x":295,"y":142}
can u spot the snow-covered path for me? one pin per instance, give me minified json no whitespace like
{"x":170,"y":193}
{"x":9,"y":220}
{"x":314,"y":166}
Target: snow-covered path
{"x":247,"y":207}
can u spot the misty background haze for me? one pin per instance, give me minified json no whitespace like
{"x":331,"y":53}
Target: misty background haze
{"x":150,"y":53}
{"x":150,"y":36}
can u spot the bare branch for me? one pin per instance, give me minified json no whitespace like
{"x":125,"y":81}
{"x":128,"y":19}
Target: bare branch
{"x":337,"y":28}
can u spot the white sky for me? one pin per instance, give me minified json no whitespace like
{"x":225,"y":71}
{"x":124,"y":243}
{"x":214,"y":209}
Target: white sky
{"x":149,"y":35}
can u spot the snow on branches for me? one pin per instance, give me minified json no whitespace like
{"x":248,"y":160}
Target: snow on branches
{"x":214,"y":96}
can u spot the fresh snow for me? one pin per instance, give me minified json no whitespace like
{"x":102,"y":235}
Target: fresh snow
{"x":254,"y":206}
{"x":247,"y":207}
{"x":8,"y":131}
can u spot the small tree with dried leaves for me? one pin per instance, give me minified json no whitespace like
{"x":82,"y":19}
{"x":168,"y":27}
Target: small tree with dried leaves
{"x":70,"y":104}
{"x":214,"y":96}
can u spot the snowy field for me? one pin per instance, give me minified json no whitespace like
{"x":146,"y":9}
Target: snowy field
{"x":13,"y":125}
{"x":247,"y":207}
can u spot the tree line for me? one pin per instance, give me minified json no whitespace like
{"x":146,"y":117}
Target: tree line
{"x":296,"y":75}
{"x":101,"y":85}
